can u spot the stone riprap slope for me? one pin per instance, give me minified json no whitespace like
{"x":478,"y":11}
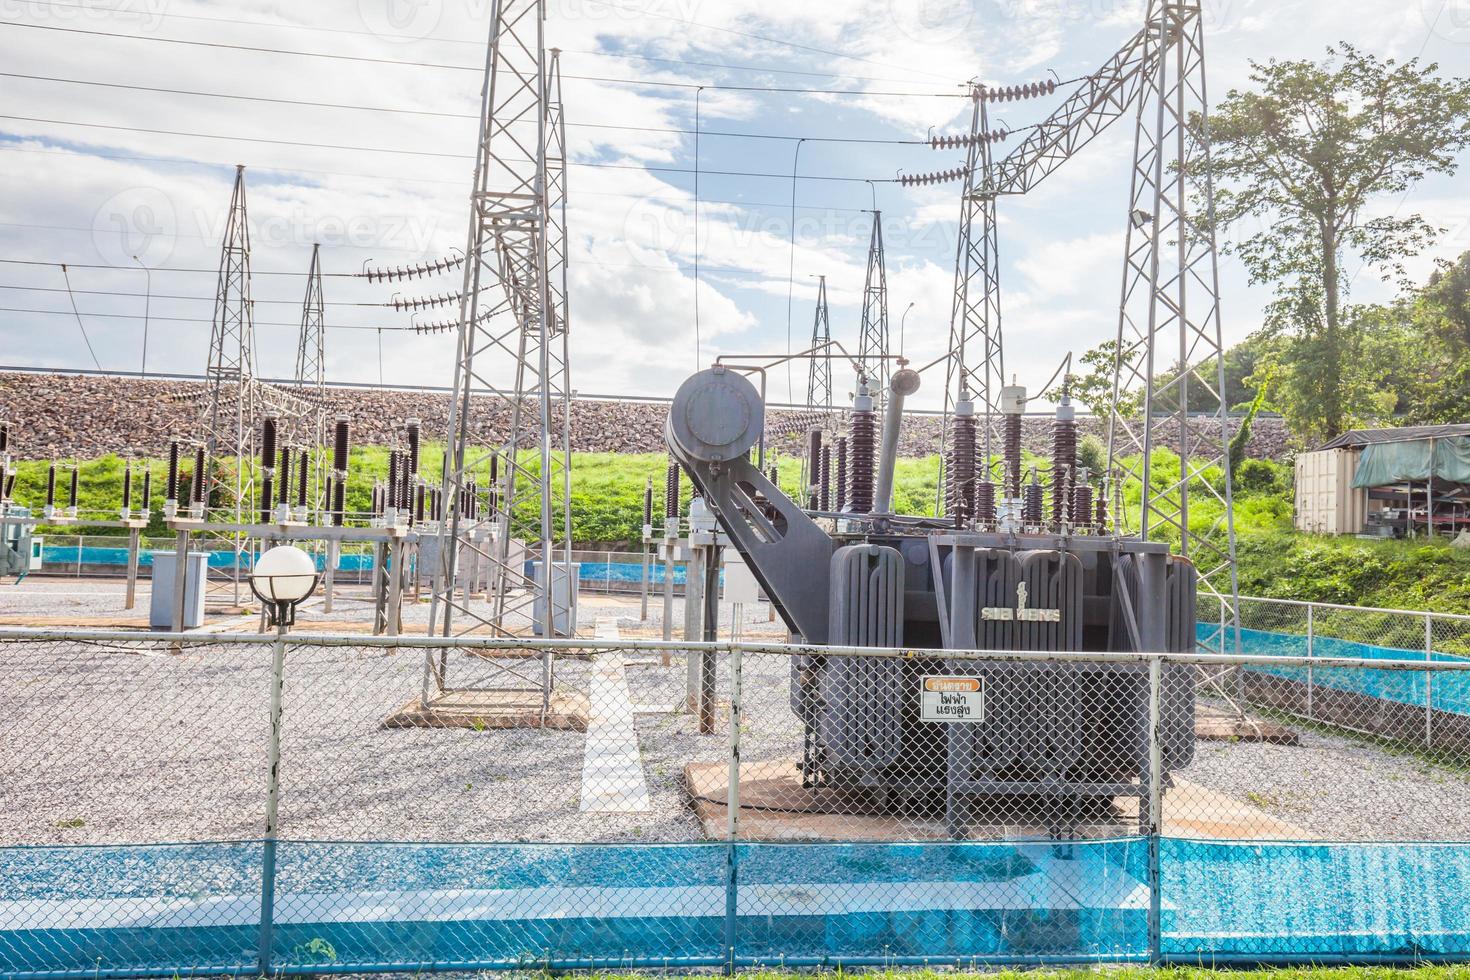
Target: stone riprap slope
{"x":87,"y":416}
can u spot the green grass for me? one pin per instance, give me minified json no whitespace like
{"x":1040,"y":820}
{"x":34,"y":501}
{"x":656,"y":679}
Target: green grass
{"x":1273,"y":560}
{"x":1115,"y":973}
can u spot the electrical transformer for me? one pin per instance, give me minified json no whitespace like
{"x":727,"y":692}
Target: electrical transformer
{"x":999,"y":572}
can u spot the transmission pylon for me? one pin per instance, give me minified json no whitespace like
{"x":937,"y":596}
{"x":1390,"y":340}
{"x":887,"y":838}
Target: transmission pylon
{"x":1169,"y":339}
{"x":975,"y":368}
{"x":873,"y":341}
{"x":516,"y":248}
{"x":819,"y":372}
{"x":232,"y":402}
{"x":311,"y":358}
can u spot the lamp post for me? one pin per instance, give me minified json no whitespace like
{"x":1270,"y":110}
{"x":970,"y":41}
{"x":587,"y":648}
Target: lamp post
{"x":282,"y":579}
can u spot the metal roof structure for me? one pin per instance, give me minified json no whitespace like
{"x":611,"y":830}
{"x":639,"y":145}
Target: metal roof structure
{"x":1357,"y":438}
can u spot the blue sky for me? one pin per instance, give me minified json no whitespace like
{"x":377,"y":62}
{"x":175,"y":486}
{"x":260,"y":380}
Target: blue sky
{"x":81,"y":194}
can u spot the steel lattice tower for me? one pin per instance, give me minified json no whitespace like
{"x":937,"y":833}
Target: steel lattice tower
{"x":1169,"y":336}
{"x":232,"y":404}
{"x":819,"y":373}
{"x":311,"y":357}
{"x":975,"y":368}
{"x":873,"y":341}
{"x":516,"y":248}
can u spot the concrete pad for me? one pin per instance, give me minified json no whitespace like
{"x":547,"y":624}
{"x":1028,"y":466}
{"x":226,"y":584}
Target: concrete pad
{"x":775,"y":806}
{"x":493,"y":710}
{"x":1215,"y":724}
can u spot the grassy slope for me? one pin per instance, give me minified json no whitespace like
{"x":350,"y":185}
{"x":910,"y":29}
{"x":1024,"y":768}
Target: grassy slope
{"x":607,"y":505}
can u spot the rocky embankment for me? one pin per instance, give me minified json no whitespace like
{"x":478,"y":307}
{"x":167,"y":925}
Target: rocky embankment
{"x":87,"y":416}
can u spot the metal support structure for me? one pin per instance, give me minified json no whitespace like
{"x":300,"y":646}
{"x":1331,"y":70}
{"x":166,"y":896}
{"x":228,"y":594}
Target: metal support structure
{"x":311,"y":362}
{"x":975,"y":368}
{"x":517,"y":249}
{"x":819,"y":370}
{"x":1152,"y":826}
{"x":1169,"y":346}
{"x":130,"y":597}
{"x":232,"y":404}
{"x":873,"y":336}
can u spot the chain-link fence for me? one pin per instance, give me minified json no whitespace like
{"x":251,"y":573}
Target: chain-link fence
{"x":414,"y":805}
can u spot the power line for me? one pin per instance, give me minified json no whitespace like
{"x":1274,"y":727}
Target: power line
{"x":657,"y":83}
{"x":725,"y":66}
{"x":193,"y":319}
{"x":80,"y":325}
{"x":441,"y":115}
{"x":422,"y":153}
{"x":193,"y":299}
{"x":407,"y":179}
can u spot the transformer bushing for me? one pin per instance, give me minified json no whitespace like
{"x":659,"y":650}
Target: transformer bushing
{"x":985,"y":503}
{"x":862,"y":430}
{"x":1012,"y":406}
{"x":960,"y":471}
{"x":839,"y":478}
{"x":814,"y":469}
{"x":1032,"y":502}
{"x":1063,"y":461}
{"x":1082,"y":505}
{"x":824,"y":486}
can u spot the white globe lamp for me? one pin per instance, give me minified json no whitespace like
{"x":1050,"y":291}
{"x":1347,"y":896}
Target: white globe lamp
{"x":282,"y":579}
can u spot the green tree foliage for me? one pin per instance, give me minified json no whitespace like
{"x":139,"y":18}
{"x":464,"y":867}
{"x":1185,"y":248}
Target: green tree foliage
{"x":1305,"y":154}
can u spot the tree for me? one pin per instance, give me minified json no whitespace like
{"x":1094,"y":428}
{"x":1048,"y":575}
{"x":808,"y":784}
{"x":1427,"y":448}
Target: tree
{"x":1306,"y":153}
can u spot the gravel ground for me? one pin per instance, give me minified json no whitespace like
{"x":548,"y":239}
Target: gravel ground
{"x":1342,"y":788}
{"x":129,"y":744}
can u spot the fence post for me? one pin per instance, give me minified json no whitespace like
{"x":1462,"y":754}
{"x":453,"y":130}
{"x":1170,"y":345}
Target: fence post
{"x":1311,"y":640}
{"x":272,"y":806}
{"x":732,"y":806}
{"x":1155,"y":809}
{"x":1428,"y":681}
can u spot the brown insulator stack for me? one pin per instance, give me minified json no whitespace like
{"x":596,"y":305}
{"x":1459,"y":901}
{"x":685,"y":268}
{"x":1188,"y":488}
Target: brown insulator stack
{"x":862,"y":430}
{"x":51,"y":483}
{"x":339,"y":444}
{"x":390,"y":496}
{"x":1063,"y":461}
{"x":671,"y":491}
{"x":839,"y":479}
{"x":960,"y":471}
{"x":303,"y":468}
{"x":284,"y":474}
{"x":824,"y":484}
{"x":172,"y":485}
{"x":984,"y":502}
{"x":414,"y":429}
{"x":339,"y":503}
{"x":71,"y":500}
{"x":1102,"y":510}
{"x":201,"y":476}
{"x":1032,"y":503}
{"x":1082,"y":505}
{"x":127,"y":500}
{"x":147,"y":507}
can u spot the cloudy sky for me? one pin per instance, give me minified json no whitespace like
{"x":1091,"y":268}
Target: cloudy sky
{"x":123,"y":120}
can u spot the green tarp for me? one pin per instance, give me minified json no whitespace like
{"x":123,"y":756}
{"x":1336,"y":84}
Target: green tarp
{"x":1387,"y":463}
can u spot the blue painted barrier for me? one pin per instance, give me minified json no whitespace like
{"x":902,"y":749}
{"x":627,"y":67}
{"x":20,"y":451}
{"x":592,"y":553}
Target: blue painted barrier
{"x":346,"y":907}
